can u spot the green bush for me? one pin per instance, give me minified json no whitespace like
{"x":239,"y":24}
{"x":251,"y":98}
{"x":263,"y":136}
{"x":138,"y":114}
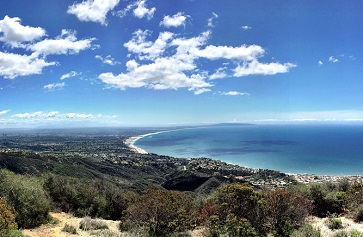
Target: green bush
{"x":70,"y":229}
{"x":12,"y":233}
{"x":334,"y":223}
{"x":355,"y":196}
{"x":241,"y":228}
{"x":358,"y":216}
{"x":79,"y":196}
{"x":306,"y":231}
{"x":286,"y":210}
{"x":85,"y":197}
{"x":352,"y":233}
{"x":356,"y":233}
{"x":327,"y":199}
{"x":341,"y":233}
{"x":242,"y":202}
{"x":162,"y":212}
{"x":7,"y":216}
{"x":27,"y":196}
{"x":92,"y":224}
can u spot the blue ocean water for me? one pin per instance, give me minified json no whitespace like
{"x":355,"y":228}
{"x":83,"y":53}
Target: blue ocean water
{"x":315,"y":149}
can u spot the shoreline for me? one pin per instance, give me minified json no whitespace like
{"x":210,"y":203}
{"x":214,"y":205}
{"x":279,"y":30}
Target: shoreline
{"x":130,"y":142}
{"x":300,"y":177}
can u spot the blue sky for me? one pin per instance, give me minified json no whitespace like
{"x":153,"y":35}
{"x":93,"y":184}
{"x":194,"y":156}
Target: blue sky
{"x":179,"y":62}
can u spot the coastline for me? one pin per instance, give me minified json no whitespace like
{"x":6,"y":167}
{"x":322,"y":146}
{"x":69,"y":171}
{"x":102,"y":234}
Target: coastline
{"x":299,"y":177}
{"x":130,"y":142}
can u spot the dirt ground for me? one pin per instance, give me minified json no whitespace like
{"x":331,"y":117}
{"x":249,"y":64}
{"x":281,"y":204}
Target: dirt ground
{"x":55,"y":230}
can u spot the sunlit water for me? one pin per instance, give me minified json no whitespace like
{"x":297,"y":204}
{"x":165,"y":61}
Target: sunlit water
{"x":315,"y":149}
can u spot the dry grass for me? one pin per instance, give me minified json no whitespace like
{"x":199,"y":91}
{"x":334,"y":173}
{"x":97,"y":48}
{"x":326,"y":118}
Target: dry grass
{"x":348,"y":225}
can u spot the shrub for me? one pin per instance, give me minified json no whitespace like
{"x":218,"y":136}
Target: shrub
{"x":28,"y":198}
{"x":356,"y":233}
{"x":12,"y":233}
{"x":85,"y":197}
{"x":355,"y":196}
{"x":70,"y":229}
{"x":7,"y":216}
{"x":307,"y":231}
{"x":341,"y":233}
{"x":326,"y":199}
{"x":241,"y":228}
{"x":162,"y":212}
{"x":286,"y":210}
{"x":80,"y":196}
{"x":92,"y":224}
{"x":334,"y":223}
{"x":242,"y":202}
{"x":358,"y":217}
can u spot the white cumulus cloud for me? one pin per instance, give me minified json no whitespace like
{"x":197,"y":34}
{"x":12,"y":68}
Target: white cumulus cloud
{"x":141,"y":11}
{"x":107,"y":60}
{"x":2,"y":112}
{"x":70,"y":74}
{"x":246,"y":27}
{"x":243,"y":52}
{"x":257,"y":68}
{"x":57,"y":116}
{"x":54,"y":86}
{"x":202,"y":90}
{"x":173,"y":62}
{"x":232,"y":93}
{"x":14,"y":65}
{"x":66,"y":43}
{"x":333,"y":60}
{"x":175,"y":20}
{"x":219,"y":74}
{"x":93,"y":10}
{"x":147,"y":49}
{"x":38,"y":114}
{"x":164,"y":73}
{"x":14,"y":33}
{"x":210,"y":20}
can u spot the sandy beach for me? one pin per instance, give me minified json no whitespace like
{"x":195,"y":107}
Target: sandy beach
{"x":131,"y":141}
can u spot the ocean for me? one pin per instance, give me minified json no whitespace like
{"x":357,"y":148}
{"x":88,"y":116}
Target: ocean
{"x":334,"y":149}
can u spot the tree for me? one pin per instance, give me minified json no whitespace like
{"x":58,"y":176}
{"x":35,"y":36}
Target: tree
{"x":240,"y":209}
{"x":163,"y":212}
{"x":327,"y":200}
{"x":286,"y":211}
